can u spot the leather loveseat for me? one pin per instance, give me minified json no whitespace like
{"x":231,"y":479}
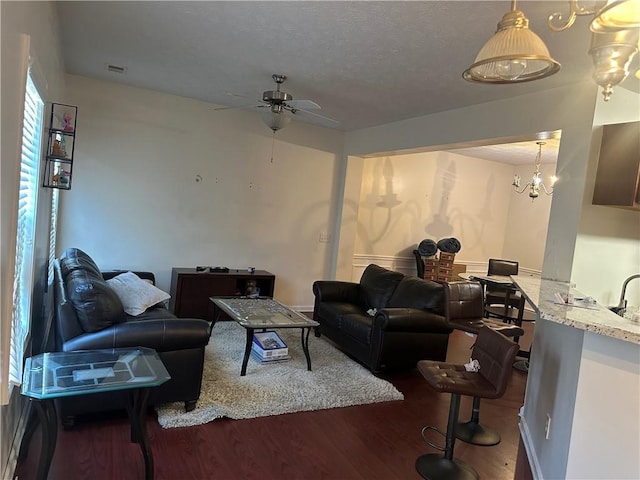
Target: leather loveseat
{"x":89,"y":315}
{"x":387,"y":321}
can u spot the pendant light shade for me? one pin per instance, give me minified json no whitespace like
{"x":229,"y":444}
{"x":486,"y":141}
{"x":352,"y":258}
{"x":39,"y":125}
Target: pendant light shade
{"x":612,"y":54}
{"x":617,"y":15}
{"x":514,"y":54}
{"x":275,"y":120}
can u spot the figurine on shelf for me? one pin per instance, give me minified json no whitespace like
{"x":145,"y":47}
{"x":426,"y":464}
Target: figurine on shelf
{"x":57,"y":150}
{"x":64,"y":178}
{"x":61,"y":178}
{"x":68,"y":127}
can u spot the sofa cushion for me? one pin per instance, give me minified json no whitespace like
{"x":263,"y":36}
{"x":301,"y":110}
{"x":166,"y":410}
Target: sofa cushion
{"x":75,"y":259}
{"x":377,"y":285}
{"x":331,"y":313}
{"x":96,"y":304}
{"x":414,"y":292}
{"x":357,"y":327}
{"x":135,"y":293}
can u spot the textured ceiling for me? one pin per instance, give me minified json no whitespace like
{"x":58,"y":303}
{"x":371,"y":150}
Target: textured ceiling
{"x":365,"y":63}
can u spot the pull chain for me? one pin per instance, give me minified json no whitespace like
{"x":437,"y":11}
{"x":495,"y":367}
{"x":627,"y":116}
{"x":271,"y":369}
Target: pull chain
{"x":273,"y":142}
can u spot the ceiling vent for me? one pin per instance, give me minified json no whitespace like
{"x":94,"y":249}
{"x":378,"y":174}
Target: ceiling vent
{"x":115,"y":68}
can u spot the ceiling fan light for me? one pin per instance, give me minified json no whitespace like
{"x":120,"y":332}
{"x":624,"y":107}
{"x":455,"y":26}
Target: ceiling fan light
{"x":275,"y":120}
{"x":514,"y":54}
{"x":617,"y":15}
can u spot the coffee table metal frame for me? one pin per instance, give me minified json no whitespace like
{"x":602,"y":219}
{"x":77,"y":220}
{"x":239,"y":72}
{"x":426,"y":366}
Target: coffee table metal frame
{"x":65,"y":374}
{"x":262,"y":313}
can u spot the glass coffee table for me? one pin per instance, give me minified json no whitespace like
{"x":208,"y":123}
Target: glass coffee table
{"x":64,"y":374}
{"x":263,"y":313}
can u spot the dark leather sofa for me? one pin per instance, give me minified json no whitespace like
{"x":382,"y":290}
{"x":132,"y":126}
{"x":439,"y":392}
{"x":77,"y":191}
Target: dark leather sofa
{"x":89,"y":315}
{"x":408,"y":324}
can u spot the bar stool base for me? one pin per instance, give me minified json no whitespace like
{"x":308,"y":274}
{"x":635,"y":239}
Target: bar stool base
{"x":434,"y":466}
{"x":476,"y":434}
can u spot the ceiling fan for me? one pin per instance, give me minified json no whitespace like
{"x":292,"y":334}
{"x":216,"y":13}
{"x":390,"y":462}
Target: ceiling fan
{"x":280,"y":108}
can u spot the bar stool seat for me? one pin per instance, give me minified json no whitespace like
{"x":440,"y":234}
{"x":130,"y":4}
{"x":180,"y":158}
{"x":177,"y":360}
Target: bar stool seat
{"x":495,"y":354}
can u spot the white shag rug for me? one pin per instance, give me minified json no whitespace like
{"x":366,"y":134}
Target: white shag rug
{"x":277,"y":388}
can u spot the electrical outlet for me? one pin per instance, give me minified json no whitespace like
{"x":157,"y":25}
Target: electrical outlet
{"x":547,"y":427}
{"x":324,"y":237}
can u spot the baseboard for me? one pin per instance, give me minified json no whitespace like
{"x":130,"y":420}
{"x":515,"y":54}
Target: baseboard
{"x":536,"y":471}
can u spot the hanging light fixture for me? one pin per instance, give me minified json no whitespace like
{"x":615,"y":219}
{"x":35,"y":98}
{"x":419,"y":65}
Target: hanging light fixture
{"x":617,"y":15}
{"x":536,"y":183}
{"x":612,"y":54}
{"x":514,"y":54}
{"x":614,"y":41}
{"x":275,"y":118}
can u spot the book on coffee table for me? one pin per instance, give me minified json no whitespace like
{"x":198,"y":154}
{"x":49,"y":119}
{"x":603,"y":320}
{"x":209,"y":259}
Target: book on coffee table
{"x":267,"y":345}
{"x":264,"y":360}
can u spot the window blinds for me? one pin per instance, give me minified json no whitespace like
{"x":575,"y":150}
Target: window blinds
{"x":27,"y":201}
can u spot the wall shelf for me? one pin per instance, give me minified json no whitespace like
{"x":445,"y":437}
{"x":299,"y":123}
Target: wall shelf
{"x":58,"y":164}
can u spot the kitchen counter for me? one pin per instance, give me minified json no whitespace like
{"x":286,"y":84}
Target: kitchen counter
{"x":540,"y":294}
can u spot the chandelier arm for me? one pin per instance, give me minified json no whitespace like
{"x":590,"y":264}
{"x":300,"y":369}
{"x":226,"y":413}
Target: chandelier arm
{"x":575,"y":10}
{"x":545,"y":189}
{"x":528,"y":185}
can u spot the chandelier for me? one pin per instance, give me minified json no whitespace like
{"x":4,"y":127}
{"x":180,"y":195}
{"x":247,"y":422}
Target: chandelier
{"x":536,"y":183}
{"x":516,"y":54}
{"x":614,"y":38}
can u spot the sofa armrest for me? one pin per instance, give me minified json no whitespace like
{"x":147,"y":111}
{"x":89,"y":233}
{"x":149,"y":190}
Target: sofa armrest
{"x":336,"y":291}
{"x":161,"y":334}
{"x":410,"y":320}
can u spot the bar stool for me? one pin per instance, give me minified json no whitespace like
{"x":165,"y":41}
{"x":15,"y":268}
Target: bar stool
{"x":497,"y":295}
{"x":495,"y":354}
{"x":464,"y":310}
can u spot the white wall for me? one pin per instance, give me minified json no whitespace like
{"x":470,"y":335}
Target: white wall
{"x":28,"y":29}
{"x":608,"y":242}
{"x":613,"y":417}
{"x":407,"y":198}
{"x":136,"y":201}
{"x":553,"y":371}
{"x":436,"y":195}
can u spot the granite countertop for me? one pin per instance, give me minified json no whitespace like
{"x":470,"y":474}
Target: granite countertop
{"x":597,"y":319}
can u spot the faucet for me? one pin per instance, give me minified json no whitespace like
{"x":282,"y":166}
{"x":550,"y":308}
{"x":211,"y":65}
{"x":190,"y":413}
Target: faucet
{"x":622,"y":304}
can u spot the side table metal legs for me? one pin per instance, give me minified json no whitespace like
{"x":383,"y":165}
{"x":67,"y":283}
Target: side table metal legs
{"x":48,"y":418}
{"x":137,"y":409}
{"x":304,"y":338}
{"x":305,"y":345}
{"x":247,"y":352}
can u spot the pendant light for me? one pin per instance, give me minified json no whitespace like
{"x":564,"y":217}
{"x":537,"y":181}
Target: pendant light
{"x":514,"y":54}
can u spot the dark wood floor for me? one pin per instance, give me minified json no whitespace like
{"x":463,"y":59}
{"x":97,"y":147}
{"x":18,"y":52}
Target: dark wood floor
{"x":379,"y":441}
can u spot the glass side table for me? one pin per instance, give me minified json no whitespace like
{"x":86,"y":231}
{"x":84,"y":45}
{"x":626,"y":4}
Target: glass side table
{"x":63,"y":374}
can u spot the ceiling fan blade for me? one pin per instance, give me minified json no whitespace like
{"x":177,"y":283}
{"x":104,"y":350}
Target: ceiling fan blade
{"x":303,"y":104}
{"x":319,"y":119}
{"x":241,"y":107}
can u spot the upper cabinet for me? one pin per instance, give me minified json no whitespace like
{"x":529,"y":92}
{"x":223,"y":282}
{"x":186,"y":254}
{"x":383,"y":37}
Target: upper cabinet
{"x":618,"y":176}
{"x":58,"y":167}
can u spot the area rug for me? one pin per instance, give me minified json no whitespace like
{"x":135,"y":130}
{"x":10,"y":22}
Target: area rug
{"x":275,"y":388}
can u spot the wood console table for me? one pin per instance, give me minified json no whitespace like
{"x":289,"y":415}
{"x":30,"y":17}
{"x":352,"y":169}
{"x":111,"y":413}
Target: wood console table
{"x":191,"y":290}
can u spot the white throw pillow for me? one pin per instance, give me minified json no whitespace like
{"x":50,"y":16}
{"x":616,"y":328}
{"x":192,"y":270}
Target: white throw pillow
{"x":136,"y":294}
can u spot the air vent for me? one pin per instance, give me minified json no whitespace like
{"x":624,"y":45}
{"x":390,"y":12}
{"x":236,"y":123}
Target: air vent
{"x":115,"y":68}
